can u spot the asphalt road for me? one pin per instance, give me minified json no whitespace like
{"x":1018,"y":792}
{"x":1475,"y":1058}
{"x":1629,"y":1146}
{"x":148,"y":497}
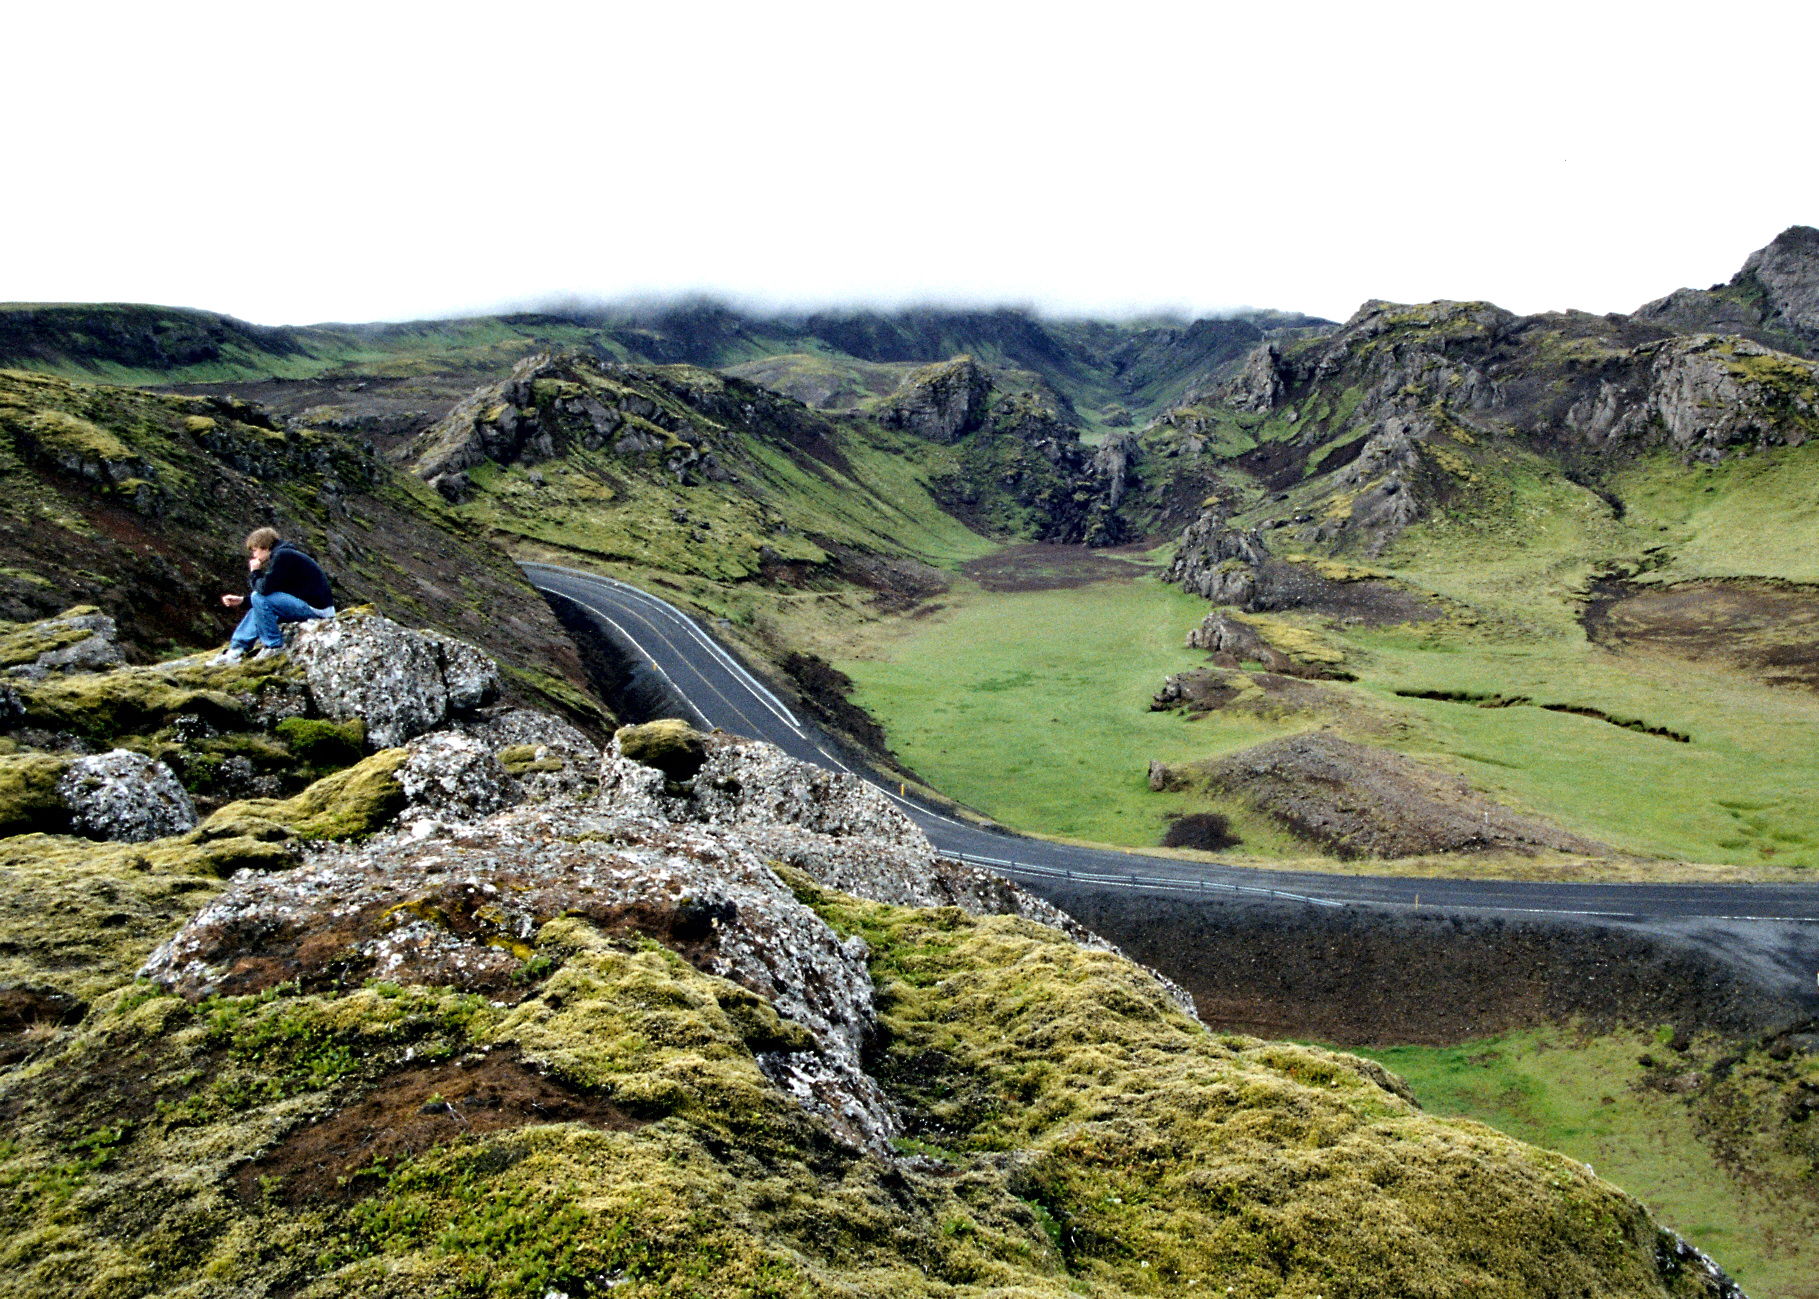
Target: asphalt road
{"x":722,"y":692}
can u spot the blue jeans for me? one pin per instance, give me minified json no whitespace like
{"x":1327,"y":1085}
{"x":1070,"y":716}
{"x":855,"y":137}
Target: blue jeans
{"x":261,"y":621}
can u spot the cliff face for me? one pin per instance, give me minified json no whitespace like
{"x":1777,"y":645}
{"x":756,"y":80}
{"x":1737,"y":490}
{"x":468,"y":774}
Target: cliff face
{"x":691,"y":1017}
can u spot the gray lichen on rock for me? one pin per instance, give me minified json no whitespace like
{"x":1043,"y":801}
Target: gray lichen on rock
{"x":125,"y":796}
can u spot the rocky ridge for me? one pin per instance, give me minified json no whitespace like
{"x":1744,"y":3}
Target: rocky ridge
{"x":1407,"y":412}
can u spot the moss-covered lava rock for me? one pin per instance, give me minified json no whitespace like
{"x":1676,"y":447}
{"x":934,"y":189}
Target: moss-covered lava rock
{"x":602,"y":1045}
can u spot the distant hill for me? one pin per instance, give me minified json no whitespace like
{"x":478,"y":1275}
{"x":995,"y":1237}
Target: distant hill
{"x":1115,"y":373}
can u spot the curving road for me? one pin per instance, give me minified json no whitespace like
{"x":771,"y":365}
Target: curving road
{"x":721,"y":692}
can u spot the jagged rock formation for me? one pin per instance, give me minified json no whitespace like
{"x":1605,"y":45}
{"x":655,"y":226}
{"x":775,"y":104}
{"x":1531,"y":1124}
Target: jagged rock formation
{"x":1774,"y":299}
{"x":263,"y":731}
{"x":941,"y":402}
{"x":1021,"y":466}
{"x":551,"y":405}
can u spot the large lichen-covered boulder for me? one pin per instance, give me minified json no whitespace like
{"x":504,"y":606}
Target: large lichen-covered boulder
{"x":467,"y":913}
{"x":125,"y":796}
{"x":399,"y":682}
{"x":547,"y":757}
{"x":839,"y":828}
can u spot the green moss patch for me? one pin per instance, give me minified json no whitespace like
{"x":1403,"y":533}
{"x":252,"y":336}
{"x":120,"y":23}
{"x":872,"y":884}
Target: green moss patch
{"x":345,"y":805}
{"x":82,"y":917}
{"x":28,"y":794}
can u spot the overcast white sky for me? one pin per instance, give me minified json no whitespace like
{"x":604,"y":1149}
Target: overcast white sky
{"x":290,"y":163}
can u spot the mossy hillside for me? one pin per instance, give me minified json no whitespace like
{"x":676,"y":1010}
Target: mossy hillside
{"x":153,"y":536}
{"x":1714,"y":1138}
{"x":80,"y":917}
{"x":796,"y":486}
{"x":1746,"y":516}
{"x":1164,"y":1156}
{"x":132,"y":344}
{"x":1518,"y":548}
{"x":1078,"y":1135}
{"x":823,"y":380}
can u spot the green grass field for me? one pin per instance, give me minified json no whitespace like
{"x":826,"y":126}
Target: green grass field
{"x":1589,"y":1098}
{"x":1033,"y":707}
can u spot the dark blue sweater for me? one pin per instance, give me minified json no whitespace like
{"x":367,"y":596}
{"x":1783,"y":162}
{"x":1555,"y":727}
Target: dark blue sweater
{"x":291,"y":572}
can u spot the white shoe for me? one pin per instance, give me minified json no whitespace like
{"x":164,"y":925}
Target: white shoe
{"x":269,"y":652}
{"x":232,"y":654}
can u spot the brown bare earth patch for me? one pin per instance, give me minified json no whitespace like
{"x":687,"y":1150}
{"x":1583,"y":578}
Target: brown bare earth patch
{"x":1357,"y":800}
{"x":411,"y":1112}
{"x":1045,"y":566}
{"x":1350,"y":599}
{"x":1769,"y":631}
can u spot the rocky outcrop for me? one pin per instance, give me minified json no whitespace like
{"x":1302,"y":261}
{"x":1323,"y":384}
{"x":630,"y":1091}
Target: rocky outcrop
{"x":1258,"y":386}
{"x":1217,"y":561}
{"x":1712,"y":394}
{"x":82,"y":639}
{"x":1774,"y":299}
{"x":941,"y":402}
{"x":554,"y":403}
{"x":1233,"y":639}
{"x":679,"y":851}
{"x":398,"y":682}
{"x":124,"y":796}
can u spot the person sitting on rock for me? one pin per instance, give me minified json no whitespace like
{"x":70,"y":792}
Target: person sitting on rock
{"x":287,"y":586}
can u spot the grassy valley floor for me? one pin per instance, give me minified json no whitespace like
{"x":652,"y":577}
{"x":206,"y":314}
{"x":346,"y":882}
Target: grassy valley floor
{"x":1029,"y":700}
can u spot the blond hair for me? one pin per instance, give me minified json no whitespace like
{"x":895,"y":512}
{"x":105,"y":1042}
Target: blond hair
{"x":262,"y":539}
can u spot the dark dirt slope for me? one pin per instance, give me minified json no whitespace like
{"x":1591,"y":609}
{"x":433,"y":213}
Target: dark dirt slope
{"x":138,"y":503}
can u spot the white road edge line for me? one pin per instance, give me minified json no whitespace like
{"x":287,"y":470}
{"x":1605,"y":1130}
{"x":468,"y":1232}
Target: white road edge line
{"x":655,"y":666}
{"x":712,"y":646}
